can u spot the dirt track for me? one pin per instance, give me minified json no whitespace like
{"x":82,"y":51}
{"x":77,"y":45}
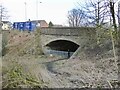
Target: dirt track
{"x":57,"y":73}
{"x":68,"y":73}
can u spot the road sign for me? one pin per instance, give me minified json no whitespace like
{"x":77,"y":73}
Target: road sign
{"x":15,"y":25}
{"x":31,"y":26}
{"x":21,"y":26}
{"x":27,"y":25}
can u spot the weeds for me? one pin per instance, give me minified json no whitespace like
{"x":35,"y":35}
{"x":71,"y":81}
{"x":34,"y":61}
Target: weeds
{"x":15,"y":77}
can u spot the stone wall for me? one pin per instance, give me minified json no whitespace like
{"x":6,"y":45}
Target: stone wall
{"x":68,"y":31}
{"x":81,"y":36}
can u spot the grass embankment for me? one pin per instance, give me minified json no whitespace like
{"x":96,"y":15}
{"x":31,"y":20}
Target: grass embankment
{"x":14,"y":73}
{"x":16,"y":77}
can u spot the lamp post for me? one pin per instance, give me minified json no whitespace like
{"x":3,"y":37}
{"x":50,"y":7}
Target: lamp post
{"x":37,"y":8}
{"x":25,"y":10}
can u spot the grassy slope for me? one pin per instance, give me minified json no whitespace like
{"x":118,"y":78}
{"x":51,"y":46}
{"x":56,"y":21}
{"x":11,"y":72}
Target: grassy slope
{"x":14,"y":73}
{"x":94,"y":66}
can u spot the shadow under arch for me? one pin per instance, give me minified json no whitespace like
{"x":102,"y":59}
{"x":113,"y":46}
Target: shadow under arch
{"x":63,"y":45}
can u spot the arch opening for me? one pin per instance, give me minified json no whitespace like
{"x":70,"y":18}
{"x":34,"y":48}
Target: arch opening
{"x":62,"y":47}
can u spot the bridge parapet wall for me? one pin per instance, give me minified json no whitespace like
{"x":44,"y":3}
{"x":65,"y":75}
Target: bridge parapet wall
{"x":69,"y":31}
{"x":80,"y":35}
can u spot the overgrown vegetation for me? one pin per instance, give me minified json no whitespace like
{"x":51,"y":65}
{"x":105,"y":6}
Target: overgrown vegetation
{"x":15,"y":74}
{"x":16,"y":77}
{"x":4,"y":42}
{"x":38,"y":46}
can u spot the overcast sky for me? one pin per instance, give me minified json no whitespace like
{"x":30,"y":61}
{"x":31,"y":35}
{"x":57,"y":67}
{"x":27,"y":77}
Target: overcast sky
{"x":49,"y":10}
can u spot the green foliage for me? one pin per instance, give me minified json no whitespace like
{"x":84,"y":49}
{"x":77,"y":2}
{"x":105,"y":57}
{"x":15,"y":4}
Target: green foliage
{"x":50,"y":24}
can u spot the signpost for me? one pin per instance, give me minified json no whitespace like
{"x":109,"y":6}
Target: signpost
{"x":30,"y":26}
{"x":21,"y":26}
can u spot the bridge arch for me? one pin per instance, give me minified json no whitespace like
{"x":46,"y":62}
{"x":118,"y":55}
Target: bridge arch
{"x":57,"y":39}
{"x":51,"y":37}
{"x":62,"y":45}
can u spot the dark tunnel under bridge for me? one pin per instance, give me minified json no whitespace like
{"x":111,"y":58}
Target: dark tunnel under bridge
{"x":62,"y":47}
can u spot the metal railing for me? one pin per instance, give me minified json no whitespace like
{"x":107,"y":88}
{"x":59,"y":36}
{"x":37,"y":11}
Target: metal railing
{"x":63,"y":54}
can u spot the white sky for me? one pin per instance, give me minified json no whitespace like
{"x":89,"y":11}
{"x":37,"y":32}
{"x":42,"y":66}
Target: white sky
{"x":49,"y":10}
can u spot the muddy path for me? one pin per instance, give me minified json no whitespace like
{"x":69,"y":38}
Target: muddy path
{"x":64,"y":79}
{"x":43,"y":70}
{"x":50,"y":65}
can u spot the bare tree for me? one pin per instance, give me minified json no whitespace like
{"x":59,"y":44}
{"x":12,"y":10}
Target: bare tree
{"x":101,"y":12}
{"x":97,"y":12}
{"x":76,"y":18}
{"x":3,"y":13}
{"x":113,"y":16}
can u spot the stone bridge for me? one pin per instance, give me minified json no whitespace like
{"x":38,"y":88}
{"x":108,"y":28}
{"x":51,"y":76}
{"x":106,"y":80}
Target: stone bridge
{"x":66,"y":38}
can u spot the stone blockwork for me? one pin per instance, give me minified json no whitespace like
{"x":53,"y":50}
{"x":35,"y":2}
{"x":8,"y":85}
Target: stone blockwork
{"x":79,"y":35}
